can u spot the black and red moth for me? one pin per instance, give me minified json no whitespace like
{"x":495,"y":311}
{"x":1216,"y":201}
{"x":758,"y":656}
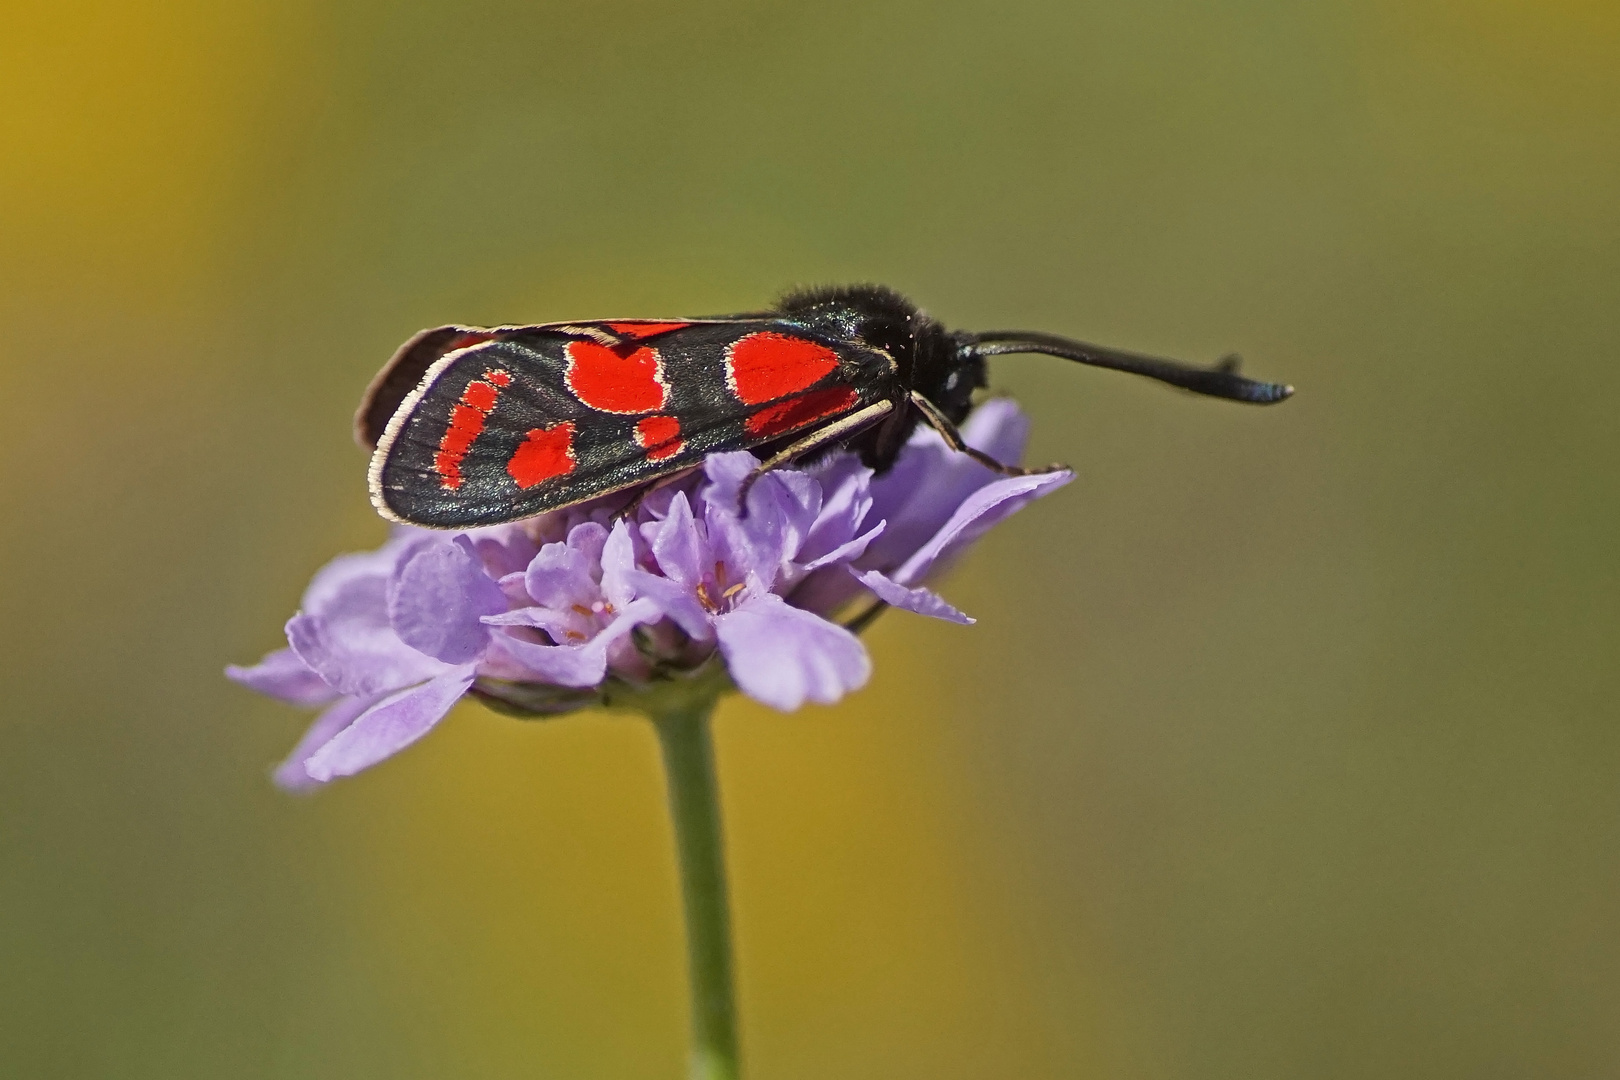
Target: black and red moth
{"x":479,"y":425}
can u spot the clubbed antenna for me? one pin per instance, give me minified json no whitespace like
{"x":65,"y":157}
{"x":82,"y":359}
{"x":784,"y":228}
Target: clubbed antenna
{"x":1221,"y":380}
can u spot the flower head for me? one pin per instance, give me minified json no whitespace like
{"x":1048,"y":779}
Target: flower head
{"x":545,"y":615}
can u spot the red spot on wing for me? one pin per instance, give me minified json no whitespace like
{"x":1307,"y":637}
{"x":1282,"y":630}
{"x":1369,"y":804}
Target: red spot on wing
{"x":613,"y":380}
{"x":765,"y":366}
{"x":466,"y":424}
{"x":467,"y":341}
{"x":480,"y":396}
{"x":546,"y":453}
{"x":661,"y":435}
{"x":795,"y":413}
{"x":638,"y":330}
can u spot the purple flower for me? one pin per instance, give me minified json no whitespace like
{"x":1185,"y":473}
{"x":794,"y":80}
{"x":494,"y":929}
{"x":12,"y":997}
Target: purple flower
{"x":546,"y":614}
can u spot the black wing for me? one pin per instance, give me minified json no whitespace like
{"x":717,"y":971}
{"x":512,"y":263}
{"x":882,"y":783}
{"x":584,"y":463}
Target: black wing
{"x":508,"y":422}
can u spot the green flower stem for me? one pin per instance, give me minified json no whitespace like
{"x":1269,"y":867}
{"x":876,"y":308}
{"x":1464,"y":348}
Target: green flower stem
{"x":694,"y":807}
{"x":680,"y":705}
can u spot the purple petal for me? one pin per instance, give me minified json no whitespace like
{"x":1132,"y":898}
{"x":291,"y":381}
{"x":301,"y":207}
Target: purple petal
{"x":986,"y":507}
{"x":752,"y":545}
{"x":359,"y":655}
{"x":389,"y":726}
{"x":679,"y":603}
{"x":559,"y":665}
{"x":589,"y":537}
{"x":290,"y":775}
{"x":922,"y":601}
{"x":436,"y":598}
{"x":847,"y":552}
{"x":782,"y":508}
{"x":929,"y":481}
{"x":846,"y":499}
{"x":618,"y":561}
{"x":499,"y":663}
{"x":515,"y":590}
{"x":554,"y":622}
{"x":503,"y":549}
{"x":782,"y":656}
{"x":726,"y":473}
{"x":825,"y":591}
{"x":584,"y":664}
{"x":357,"y":582}
{"x":998,"y":428}
{"x":798,"y":501}
{"x":282,"y":675}
{"x":342,"y":631}
{"x":679,"y":549}
{"x":560,"y":576}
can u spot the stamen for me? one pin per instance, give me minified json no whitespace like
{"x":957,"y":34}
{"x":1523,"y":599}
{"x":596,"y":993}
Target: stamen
{"x":703,"y":597}
{"x":607,"y":609}
{"x":581,"y":609}
{"x":575,"y":635}
{"x":720,"y":573}
{"x":733,"y":591}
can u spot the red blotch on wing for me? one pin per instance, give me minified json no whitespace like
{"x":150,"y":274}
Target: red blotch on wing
{"x":669,"y":449}
{"x":465,"y":426}
{"x":467,"y":341}
{"x":639,"y":330}
{"x":795,"y":413}
{"x":614,"y":381}
{"x":480,"y":395}
{"x":466,"y":423}
{"x":655,"y":430}
{"x":661,"y":435}
{"x":547,"y":452}
{"x":766,"y":366}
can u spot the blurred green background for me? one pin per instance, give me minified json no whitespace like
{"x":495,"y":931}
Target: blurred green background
{"x":1286,"y":743}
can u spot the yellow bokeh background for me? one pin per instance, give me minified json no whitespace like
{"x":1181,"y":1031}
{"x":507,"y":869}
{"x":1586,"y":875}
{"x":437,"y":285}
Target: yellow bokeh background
{"x":1286,"y":742}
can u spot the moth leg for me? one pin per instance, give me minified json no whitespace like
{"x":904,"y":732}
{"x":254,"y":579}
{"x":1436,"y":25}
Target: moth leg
{"x":953,"y":438}
{"x":817,"y":439}
{"x":867,"y":617}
